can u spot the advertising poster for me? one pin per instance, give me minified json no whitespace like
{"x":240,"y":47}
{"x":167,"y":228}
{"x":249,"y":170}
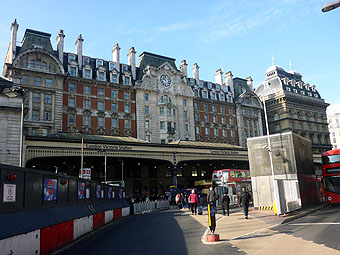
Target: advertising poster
{"x":9,"y":193}
{"x":109,"y":193}
{"x":120,"y":193}
{"x":98,"y":191}
{"x":50,"y":189}
{"x":87,"y":193}
{"x":81,"y":190}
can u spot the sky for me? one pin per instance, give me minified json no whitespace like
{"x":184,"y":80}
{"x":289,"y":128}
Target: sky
{"x":240,"y":36}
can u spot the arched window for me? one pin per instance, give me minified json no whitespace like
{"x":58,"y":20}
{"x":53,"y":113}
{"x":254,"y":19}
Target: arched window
{"x":276,"y":116}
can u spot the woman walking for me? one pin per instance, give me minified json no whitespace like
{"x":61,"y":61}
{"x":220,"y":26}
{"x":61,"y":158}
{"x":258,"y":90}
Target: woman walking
{"x":193,"y":202}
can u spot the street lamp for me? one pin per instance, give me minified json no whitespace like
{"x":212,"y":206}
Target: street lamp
{"x":330,"y":6}
{"x":276,"y":194}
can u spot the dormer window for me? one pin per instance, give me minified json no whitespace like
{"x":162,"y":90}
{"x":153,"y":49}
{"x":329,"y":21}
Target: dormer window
{"x":114,"y":78}
{"x":213,"y":95}
{"x":205,"y":94}
{"x":101,"y":76}
{"x":112,"y":66}
{"x":126,"y":80}
{"x":99,"y":62}
{"x":73,"y":71}
{"x":86,"y":61}
{"x":192,"y":81}
{"x":124,"y":68}
{"x":196,"y":92}
{"x":201,"y":84}
{"x":71,"y":57}
{"x":221,"y":97}
{"x":218,"y":87}
{"x":310,"y":94}
{"x":87,"y":74}
{"x":209,"y":85}
{"x":302,"y":92}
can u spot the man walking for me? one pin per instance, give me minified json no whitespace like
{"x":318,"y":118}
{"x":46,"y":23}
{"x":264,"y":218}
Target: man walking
{"x":244,"y":201}
{"x":225,"y":203}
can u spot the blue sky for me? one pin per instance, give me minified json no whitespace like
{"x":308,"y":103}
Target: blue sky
{"x":236,"y":35}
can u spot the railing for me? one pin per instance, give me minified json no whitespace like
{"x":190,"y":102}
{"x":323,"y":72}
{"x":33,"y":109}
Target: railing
{"x":148,"y":207}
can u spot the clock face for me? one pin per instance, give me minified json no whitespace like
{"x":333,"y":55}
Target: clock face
{"x":165,"y":80}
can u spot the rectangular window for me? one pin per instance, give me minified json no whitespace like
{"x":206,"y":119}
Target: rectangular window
{"x":114,"y":122}
{"x":37,"y":81}
{"x":87,"y":90}
{"x":205,"y":107}
{"x":99,"y":62}
{"x":196,"y":105}
{"x":224,"y":132}
{"x":71,"y":87}
{"x":72,"y":102}
{"x":161,"y":111}
{"x":185,"y":114}
{"x":26,"y":79}
{"x":214,"y":108}
{"x":87,"y":73}
{"x":127,"y":95}
{"x":114,"y":107}
{"x":101,"y":76}
{"x":205,"y":118}
{"x":126,"y":80}
{"x":87,"y":103}
{"x":230,"y":111}
{"x":168,"y":112}
{"x":126,"y":108}
{"x":300,"y":126}
{"x":114,"y":93}
{"x":232,"y":134}
{"x":86,"y":60}
{"x":231,"y":121}
{"x":198,"y":129}
{"x":213,"y":95}
{"x":48,"y":83}
{"x":146,"y":109}
{"x":146,"y":97}
{"x":71,"y":57}
{"x":71,"y":119}
{"x":214,"y":119}
{"x":197,"y":117}
{"x":277,"y":127}
{"x":100,"y":121}
{"x":73,"y":71}
{"x":36,"y":98}
{"x":114,"y":78}
{"x":100,"y":106}
{"x":35,"y":115}
{"x":162,"y":125}
{"x":221,"y":97}
{"x":86,"y":120}
{"x":186,"y":128}
{"x":292,"y":125}
{"x":215,"y":132}
{"x":127,"y":124}
{"x":184,"y":102}
{"x":100,"y":92}
{"x":47,"y":116}
{"x":207,"y":131}
{"x":147,"y":138}
{"x":48,"y":99}
{"x":223,"y":120}
{"x":147,"y":124}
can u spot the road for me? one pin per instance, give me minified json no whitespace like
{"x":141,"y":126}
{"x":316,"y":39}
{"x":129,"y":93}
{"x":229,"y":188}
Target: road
{"x":321,"y":227}
{"x":174,"y":232}
{"x":166,"y":232}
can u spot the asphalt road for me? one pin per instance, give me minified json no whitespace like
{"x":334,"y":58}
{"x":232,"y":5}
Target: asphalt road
{"x":321,"y":227}
{"x":167,"y":232}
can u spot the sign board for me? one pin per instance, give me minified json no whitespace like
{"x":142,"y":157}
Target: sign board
{"x":86,"y":173}
{"x":9,"y":193}
{"x":50,"y":189}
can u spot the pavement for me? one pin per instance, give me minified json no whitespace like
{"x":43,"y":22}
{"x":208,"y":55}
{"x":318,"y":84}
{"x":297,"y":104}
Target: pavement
{"x":256,"y":236}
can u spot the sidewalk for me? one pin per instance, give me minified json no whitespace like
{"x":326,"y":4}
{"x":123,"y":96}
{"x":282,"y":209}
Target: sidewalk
{"x":255,"y":236}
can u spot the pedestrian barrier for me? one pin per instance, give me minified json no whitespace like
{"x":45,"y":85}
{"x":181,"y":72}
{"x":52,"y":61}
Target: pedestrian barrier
{"x":265,"y":207}
{"x":148,"y":207}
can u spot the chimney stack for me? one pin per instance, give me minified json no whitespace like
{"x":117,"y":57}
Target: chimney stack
{"x":195,"y":72}
{"x":132,"y":61}
{"x":183,"y":67}
{"x":115,"y":55}
{"x":79,"y":50}
{"x":250,"y":83}
{"x":60,"y":45}
{"x":229,"y":81}
{"x":219,"y":77}
{"x":14,"y":32}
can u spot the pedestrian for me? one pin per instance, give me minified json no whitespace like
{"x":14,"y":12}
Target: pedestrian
{"x":178,"y":201}
{"x":193,"y":202}
{"x":212,"y":196}
{"x":225,"y":203}
{"x":244,"y":201}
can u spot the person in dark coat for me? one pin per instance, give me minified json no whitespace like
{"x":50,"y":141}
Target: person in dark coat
{"x":225,"y":203}
{"x":212,"y":196}
{"x":244,"y":201}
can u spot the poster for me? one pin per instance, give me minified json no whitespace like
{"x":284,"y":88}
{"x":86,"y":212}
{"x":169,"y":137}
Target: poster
{"x":50,"y":189}
{"x":87,"y":193}
{"x":9,"y":193}
{"x":81,"y":190}
{"x":98,"y":191}
{"x":109,"y":193}
{"x":102,"y":193}
{"x":120,"y":193}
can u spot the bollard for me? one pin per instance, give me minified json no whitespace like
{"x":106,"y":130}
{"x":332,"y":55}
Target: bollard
{"x":212,"y":223}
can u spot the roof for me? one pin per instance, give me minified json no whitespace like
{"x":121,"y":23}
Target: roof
{"x":205,"y":144}
{"x":33,"y":38}
{"x":94,"y":138}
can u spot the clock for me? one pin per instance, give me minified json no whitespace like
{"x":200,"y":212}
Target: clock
{"x":165,"y":80}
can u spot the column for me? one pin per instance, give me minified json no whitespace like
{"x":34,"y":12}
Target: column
{"x":30,"y":104}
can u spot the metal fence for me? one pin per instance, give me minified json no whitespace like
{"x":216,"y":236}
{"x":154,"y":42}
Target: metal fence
{"x":29,"y":189}
{"x":147,"y":207}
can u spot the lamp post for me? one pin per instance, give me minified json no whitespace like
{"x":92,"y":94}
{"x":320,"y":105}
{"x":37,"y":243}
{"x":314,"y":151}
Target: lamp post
{"x":330,"y":6}
{"x":122,"y":173}
{"x":276,"y":194}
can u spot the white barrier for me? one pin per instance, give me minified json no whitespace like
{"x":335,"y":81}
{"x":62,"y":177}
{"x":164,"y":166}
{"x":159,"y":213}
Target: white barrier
{"x":147,"y":207}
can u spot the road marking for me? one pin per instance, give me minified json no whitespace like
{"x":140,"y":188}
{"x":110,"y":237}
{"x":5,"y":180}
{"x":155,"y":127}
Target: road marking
{"x":316,"y":223}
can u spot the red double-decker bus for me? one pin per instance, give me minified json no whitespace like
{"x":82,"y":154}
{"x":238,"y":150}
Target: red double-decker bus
{"x":231,"y":181}
{"x":331,"y":175}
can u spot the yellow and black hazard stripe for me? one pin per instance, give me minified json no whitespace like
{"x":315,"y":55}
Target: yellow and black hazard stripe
{"x":265,"y":208}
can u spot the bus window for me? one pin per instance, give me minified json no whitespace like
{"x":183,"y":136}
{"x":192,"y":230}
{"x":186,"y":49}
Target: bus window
{"x":330,"y":159}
